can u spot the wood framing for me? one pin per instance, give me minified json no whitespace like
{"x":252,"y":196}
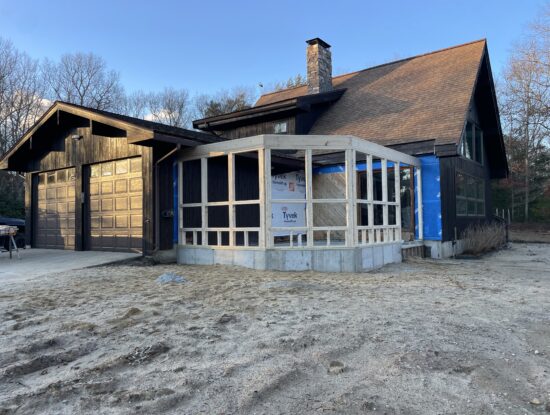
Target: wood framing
{"x":301,"y":150}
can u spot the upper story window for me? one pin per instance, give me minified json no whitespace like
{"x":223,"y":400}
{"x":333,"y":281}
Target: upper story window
{"x":280,"y":127}
{"x":471,"y":145}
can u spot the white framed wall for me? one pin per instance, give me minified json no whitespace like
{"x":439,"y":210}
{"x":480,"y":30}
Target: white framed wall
{"x":269,"y":151}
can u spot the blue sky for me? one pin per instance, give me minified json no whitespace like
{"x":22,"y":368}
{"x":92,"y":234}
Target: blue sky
{"x":205,"y":46}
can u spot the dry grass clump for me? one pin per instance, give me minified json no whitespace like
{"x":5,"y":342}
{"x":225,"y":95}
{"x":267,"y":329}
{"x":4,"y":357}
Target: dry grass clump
{"x":484,"y":238}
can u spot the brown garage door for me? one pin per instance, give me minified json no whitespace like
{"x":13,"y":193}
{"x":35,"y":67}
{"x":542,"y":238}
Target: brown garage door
{"x":55,"y":210}
{"x":115,"y":206}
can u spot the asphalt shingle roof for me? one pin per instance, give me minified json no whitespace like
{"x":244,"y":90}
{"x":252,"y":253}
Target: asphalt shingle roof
{"x":425,"y":97}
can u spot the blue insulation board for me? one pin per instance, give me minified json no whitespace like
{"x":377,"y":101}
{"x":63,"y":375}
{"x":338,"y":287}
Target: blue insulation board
{"x":176,"y":208}
{"x":431,"y":198}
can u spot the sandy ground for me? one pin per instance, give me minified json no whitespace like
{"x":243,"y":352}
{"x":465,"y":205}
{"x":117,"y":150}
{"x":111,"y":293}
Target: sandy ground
{"x":540,"y":234}
{"x":423,"y":337}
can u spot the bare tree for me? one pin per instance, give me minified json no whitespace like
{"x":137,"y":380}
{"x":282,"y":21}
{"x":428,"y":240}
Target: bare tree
{"x":136,"y":104}
{"x":292,"y":82}
{"x":21,"y":103}
{"x":525,"y":104}
{"x":83,"y":79}
{"x":171,"y":106}
{"x":223,"y":102}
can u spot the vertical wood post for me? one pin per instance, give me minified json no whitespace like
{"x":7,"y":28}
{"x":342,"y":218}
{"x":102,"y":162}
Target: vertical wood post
{"x":384,"y":165}
{"x":261,"y":183}
{"x":204,"y":200}
{"x":267,"y":183}
{"x":231,"y":196}
{"x":309,"y":196}
{"x":420,"y":203}
{"x":370,"y":198}
{"x":351,"y":234}
{"x":397,"y":175}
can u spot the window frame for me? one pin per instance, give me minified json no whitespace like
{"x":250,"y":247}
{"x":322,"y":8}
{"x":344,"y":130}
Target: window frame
{"x":474,"y":128}
{"x":469,"y":183}
{"x":276,"y":123}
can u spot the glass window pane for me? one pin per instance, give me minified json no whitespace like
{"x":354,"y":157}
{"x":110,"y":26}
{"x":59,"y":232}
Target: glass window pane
{"x":460,"y":185}
{"x":470,"y":187}
{"x":468,"y":142}
{"x":480,"y":208}
{"x":471,"y":207}
{"x":480,"y":189}
{"x":479,"y":145}
{"x":461,"y":207}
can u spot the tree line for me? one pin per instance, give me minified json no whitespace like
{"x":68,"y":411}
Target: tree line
{"x":524,"y":101}
{"x":28,"y":87}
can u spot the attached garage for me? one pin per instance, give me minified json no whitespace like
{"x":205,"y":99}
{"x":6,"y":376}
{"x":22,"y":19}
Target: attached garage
{"x":115,"y":201}
{"x":96,"y":180}
{"x":55,"y":217}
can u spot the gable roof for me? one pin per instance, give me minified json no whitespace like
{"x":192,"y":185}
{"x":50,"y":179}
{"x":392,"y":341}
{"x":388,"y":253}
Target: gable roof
{"x":137,"y":131}
{"x":425,"y":97}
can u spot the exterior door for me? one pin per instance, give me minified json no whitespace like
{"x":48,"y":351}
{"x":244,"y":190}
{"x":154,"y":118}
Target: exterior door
{"x":55,"y":210}
{"x":115,"y":206}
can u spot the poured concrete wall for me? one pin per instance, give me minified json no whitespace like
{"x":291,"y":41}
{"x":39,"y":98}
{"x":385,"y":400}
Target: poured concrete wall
{"x":358,"y":259}
{"x":440,"y":250}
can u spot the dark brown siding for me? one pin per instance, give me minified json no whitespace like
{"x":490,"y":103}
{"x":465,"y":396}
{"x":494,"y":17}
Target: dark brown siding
{"x":165,"y":193}
{"x":449,"y":166}
{"x":28,"y":208}
{"x":68,"y":152}
{"x":266,"y":127}
{"x":64,"y":151}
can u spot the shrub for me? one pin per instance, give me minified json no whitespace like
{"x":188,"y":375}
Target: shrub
{"x":484,"y":238}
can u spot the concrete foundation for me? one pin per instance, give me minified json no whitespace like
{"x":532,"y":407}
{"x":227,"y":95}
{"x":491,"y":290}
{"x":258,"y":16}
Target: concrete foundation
{"x":440,"y":250}
{"x":335,"y":259}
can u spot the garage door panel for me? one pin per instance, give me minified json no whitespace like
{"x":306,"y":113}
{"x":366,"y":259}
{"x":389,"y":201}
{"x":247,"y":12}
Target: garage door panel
{"x":121,"y":203}
{"x":121,"y":222}
{"x":94,"y":189}
{"x":55,"y":223}
{"x":116,"y":217}
{"x":107,"y":204}
{"x":107,"y":188}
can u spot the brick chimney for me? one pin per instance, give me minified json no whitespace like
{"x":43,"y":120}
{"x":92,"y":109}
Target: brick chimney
{"x":319,"y":66}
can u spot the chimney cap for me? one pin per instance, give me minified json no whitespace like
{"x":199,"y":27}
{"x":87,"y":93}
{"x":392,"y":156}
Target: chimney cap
{"x":318,"y":41}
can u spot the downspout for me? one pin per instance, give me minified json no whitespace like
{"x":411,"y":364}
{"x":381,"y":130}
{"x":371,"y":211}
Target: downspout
{"x":157,"y":193}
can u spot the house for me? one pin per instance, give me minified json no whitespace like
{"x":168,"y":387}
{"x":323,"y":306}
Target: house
{"x":439,"y":107}
{"x":346,"y":173}
{"x":96,"y":180}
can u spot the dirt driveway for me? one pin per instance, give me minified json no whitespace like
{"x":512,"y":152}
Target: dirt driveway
{"x":423,"y":337}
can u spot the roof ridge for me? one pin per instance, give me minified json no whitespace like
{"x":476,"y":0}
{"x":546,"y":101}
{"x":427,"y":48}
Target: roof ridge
{"x":286,"y":89}
{"x":387,"y":63}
